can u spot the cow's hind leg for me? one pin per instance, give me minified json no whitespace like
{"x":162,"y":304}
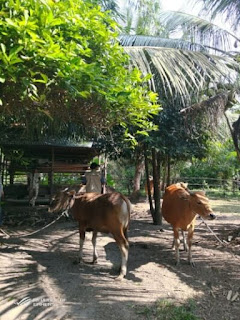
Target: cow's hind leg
{"x":81,"y":242}
{"x":185,"y":246}
{"x":189,"y":241}
{"x":94,"y":242}
{"x":124,"y":247}
{"x":177,"y":244}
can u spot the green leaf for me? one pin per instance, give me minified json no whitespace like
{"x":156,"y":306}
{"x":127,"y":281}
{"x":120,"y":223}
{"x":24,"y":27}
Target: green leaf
{"x":3,"y":47}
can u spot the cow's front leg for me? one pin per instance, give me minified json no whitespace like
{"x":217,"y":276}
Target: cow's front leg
{"x":94,"y":242}
{"x":185,"y":246}
{"x":189,"y":241}
{"x":81,"y":242}
{"x":177,"y":244}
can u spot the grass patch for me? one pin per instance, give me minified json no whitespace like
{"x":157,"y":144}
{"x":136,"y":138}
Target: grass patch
{"x":225,"y":206}
{"x":219,"y":194}
{"x":166,"y":310}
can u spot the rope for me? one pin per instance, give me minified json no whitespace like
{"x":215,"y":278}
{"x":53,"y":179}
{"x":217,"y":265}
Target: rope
{"x":65,"y":212}
{"x":34,"y":232}
{"x":219,"y":240}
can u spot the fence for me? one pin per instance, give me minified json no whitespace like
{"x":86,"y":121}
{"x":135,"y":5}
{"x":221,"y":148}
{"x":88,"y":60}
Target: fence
{"x":211,"y":183}
{"x":212,"y":186}
{"x":215,"y":187}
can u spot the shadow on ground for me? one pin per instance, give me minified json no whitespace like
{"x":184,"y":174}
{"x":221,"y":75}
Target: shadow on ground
{"x":40,"y":281}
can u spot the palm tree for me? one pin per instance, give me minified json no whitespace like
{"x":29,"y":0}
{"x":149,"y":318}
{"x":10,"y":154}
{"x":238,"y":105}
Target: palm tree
{"x":230,"y":9}
{"x":183,"y":66}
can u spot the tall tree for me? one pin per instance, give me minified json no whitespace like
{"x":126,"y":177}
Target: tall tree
{"x":142,"y":18}
{"x":62,"y":62}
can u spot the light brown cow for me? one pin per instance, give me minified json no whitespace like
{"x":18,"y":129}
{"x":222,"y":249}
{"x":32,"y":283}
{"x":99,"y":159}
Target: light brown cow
{"x":107,"y":213}
{"x":180,"y":208}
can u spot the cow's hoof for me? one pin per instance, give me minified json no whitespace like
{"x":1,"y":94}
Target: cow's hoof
{"x":192,"y":264}
{"x":119,"y":278}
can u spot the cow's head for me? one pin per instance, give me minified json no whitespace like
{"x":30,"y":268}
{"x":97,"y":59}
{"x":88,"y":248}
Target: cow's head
{"x":62,"y":200}
{"x":198,"y":203}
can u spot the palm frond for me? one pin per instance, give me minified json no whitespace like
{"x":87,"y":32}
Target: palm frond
{"x":229,"y":8}
{"x":201,"y":31}
{"x":146,"y":41}
{"x":179,"y":72}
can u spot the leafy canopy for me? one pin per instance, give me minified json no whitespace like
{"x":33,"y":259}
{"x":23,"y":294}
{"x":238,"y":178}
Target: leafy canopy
{"x":62,"y":59}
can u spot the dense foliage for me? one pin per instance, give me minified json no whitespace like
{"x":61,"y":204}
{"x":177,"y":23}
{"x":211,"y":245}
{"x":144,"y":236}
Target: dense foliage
{"x":60,"y":63}
{"x":220,"y":163}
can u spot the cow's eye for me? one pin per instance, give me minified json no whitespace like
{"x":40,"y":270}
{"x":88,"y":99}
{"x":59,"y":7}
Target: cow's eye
{"x":199,"y":202}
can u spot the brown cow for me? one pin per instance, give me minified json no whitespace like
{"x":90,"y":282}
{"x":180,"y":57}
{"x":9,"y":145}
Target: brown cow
{"x":107,"y":213}
{"x":180,"y":208}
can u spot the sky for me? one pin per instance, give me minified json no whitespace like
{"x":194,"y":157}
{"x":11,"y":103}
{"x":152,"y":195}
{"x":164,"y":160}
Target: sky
{"x":183,"y":5}
{"x":192,"y":9}
{"x":172,"y":4}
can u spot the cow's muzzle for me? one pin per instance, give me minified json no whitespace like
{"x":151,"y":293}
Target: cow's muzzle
{"x":212,"y":216}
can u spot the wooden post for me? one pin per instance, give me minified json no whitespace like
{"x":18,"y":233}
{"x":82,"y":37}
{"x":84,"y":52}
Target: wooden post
{"x":51,"y":176}
{"x":105,"y":173}
{"x":6,"y":172}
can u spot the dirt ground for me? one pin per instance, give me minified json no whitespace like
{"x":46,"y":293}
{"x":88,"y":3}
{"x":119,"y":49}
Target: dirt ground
{"x":39,"y":280}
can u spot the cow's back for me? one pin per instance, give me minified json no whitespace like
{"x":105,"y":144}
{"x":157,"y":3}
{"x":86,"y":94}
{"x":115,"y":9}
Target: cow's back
{"x":93,"y":210}
{"x":175,"y":209}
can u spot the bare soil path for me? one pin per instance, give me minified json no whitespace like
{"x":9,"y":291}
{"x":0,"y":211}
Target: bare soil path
{"x":39,"y":280}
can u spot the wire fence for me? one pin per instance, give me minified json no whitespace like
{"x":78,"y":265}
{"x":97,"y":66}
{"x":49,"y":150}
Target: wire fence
{"x":215,"y":187}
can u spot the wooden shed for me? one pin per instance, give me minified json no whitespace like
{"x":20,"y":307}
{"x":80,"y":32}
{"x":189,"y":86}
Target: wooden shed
{"x":48,"y":157}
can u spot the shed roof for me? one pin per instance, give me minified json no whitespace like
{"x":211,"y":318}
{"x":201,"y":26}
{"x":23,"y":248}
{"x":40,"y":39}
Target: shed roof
{"x":64,"y":150}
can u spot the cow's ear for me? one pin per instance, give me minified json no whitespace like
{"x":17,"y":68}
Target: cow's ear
{"x":182,"y":194}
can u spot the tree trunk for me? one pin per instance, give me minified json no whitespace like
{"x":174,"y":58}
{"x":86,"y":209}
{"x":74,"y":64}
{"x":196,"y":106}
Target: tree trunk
{"x":139,"y":169}
{"x":164,"y":176}
{"x":34,"y":180}
{"x":168,"y":170}
{"x":148,"y":184}
{"x":234,"y":136}
{"x":156,"y":178}
{"x":159,"y":177}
